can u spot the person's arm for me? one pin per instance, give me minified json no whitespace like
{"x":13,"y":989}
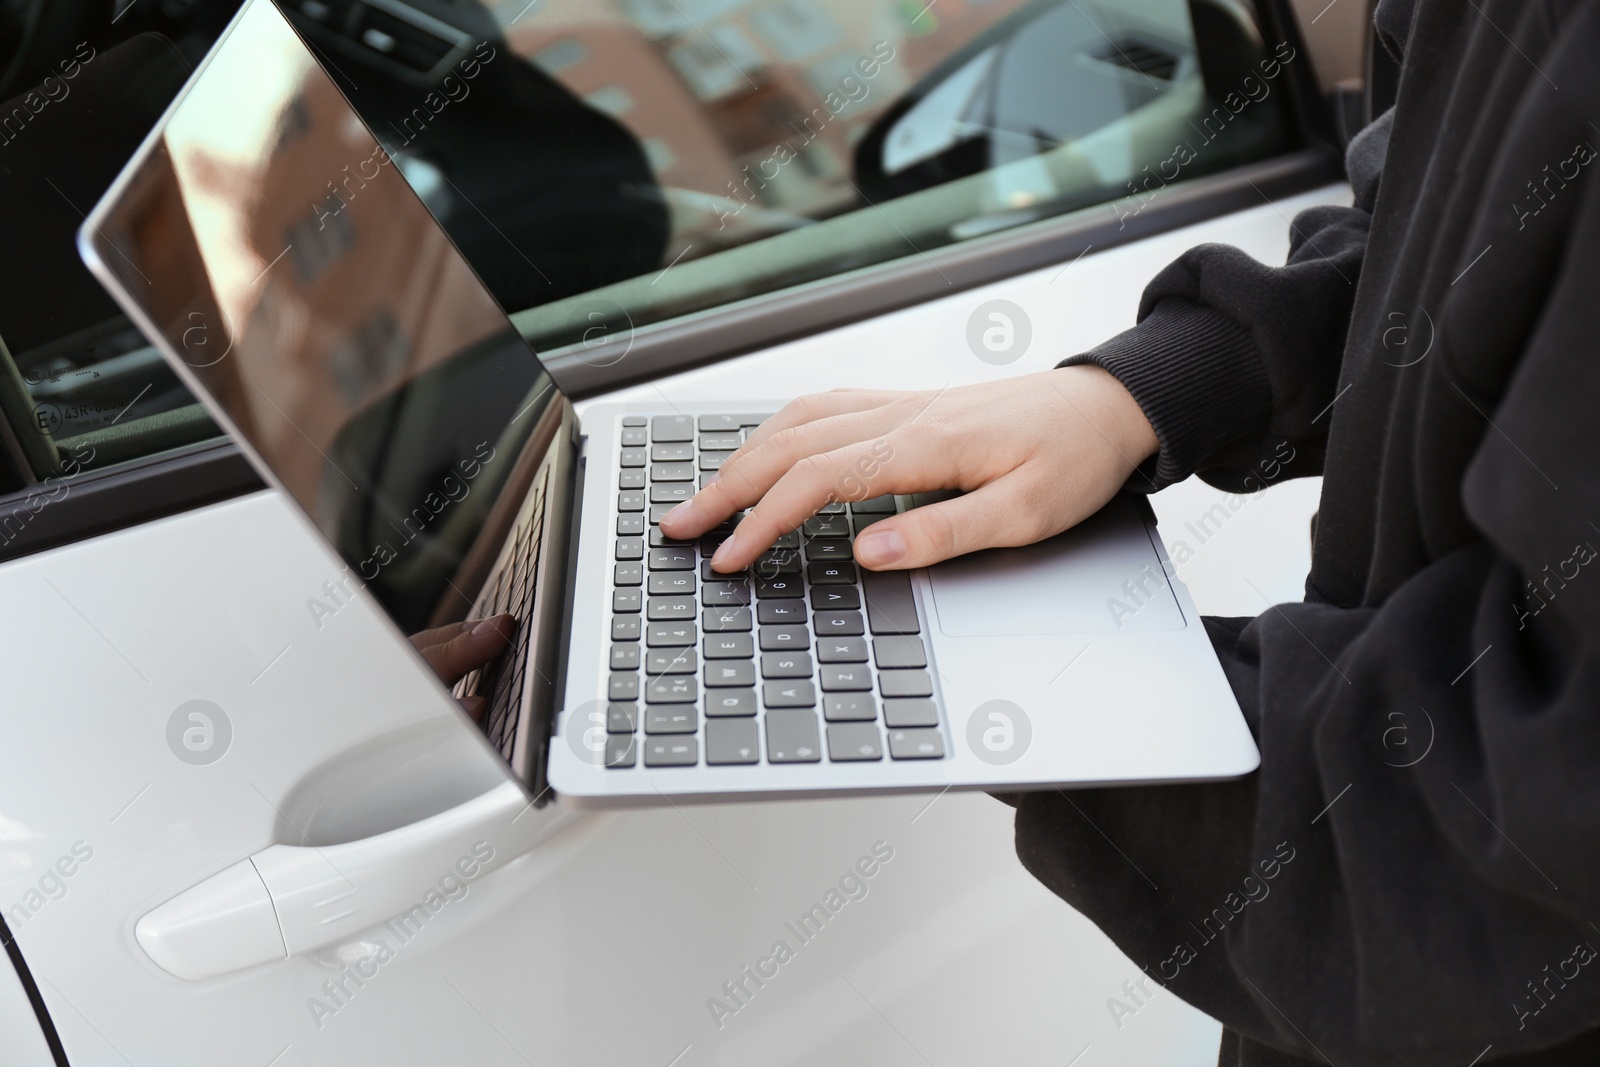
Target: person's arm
{"x":1411,"y":875}
{"x":1231,"y":358}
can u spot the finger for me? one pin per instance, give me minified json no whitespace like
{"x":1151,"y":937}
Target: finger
{"x":855,"y":472}
{"x":473,"y":706}
{"x":815,"y":406}
{"x":1003,"y":513}
{"x":745,"y":479}
{"x":475,"y":643}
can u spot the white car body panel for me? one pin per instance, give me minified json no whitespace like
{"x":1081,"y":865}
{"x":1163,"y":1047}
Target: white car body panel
{"x":605,"y":942}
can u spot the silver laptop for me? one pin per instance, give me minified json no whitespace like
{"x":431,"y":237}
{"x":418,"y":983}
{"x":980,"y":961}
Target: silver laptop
{"x":267,"y":242}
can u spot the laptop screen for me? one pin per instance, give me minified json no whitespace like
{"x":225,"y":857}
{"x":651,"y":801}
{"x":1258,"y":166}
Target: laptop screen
{"x":273,"y":243}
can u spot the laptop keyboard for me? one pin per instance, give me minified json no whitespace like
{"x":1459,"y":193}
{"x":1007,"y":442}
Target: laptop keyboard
{"x":512,"y":592}
{"x":803,"y":658}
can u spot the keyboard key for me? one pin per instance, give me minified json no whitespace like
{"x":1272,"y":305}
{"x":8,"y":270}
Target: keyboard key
{"x":661,"y":661}
{"x":861,"y":522}
{"x":627,"y":574}
{"x":915,"y":712}
{"x":721,"y":442}
{"x":781,"y":611}
{"x":671,"y":751}
{"x":659,"y":512}
{"x":624,"y":687}
{"x":837,"y":624}
{"x":671,"y":719}
{"x":630,"y":525}
{"x":661,"y":540}
{"x":916,"y":744}
{"x":898,"y":652}
{"x":665,"y":428}
{"x":776,"y":562}
{"x":719,"y":423}
{"x":845,"y":679}
{"x":828,"y":551}
{"x":632,"y":479}
{"x":729,"y":646}
{"x":905,"y":684}
{"x":831,"y":573}
{"x":670,"y":635}
{"x":784,"y":638}
{"x":826,"y":526}
{"x":891,"y":608}
{"x":782,"y":587}
{"x":730,"y":673}
{"x":842,"y":650}
{"x":621,"y":750}
{"x":672,"y":472}
{"x":672,"y":583}
{"x":625,"y":628}
{"x":849,"y":707}
{"x":671,"y":689}
{"x":635,"y":437}
{"x":786,"y":665}
{"x":671,"y":454}
{"x":635,"y":420}
{"x":630,"y":501}
{"x":670,"y":492}
{"x":726,"y":620}
{"x":724,"y":594}
{"x":732,"y":741}
{"x":668,"y":608}
{"x":712,"y":461}
{"x":632,"y":457}
{"x":832,"y":507}
{"x":835,"y":598}
{"x":726,"y":703}
{"x":669,"y":558}
{"x":792,"y":736}
{"x":709,"y":575}
{"x":796,"y":693}
{"x":624,"y":657}
{"x":625,"y":601}
{"x":622,"y":718}
{"x":748,"y":421}
{"x":629,"y":548}
{"x":850,"y":741}
{"x":878,"y":505}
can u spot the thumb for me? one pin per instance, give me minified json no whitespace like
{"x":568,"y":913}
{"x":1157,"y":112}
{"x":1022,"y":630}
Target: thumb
{"x":994,"y":515}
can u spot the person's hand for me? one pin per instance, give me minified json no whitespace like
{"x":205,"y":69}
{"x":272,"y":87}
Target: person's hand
{"x":1034,"y":455}
{"x":456,"y":650}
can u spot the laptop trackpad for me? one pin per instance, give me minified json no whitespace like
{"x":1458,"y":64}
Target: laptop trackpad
{"x":1102,"y":576}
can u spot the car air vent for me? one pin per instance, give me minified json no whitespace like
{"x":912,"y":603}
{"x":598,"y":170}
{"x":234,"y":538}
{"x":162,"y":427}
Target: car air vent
{"x":407,"y":44}
{"x":1140,"y":58}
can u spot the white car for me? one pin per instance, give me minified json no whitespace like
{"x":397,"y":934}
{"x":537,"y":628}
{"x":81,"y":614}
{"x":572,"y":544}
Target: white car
{"x":710,"y":200}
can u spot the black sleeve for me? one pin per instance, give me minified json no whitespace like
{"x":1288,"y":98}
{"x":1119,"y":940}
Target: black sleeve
{"x":1231,"y":357}
{"x":1411,"y":875}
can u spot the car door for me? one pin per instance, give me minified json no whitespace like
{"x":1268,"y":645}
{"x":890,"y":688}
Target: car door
{"x":789,"y":205}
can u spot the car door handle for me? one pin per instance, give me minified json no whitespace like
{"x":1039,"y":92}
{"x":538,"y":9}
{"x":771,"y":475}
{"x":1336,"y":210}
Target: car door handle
{"x":290,"y":899}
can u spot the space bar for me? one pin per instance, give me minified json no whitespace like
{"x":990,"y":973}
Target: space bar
{"x":891,"y":608}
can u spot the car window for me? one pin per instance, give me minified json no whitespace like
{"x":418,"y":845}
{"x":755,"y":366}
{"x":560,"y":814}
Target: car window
{"x":793,"y":140}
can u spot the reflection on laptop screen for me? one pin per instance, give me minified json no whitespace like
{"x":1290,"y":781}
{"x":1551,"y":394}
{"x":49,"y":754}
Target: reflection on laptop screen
{"x":273,"y":244}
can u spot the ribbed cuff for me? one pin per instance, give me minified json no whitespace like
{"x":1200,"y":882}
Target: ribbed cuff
{"x":1196,"y":375}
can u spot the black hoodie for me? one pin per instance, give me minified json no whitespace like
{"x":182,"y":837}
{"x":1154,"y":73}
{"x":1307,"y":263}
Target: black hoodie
{"x":1428,"y":803}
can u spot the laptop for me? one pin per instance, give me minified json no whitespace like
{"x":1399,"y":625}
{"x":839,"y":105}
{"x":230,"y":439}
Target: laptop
{"x":267,"y":241}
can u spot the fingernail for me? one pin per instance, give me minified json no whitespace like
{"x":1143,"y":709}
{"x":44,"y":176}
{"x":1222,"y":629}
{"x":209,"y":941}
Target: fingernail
{"x":880,"y":548}
{"x":724,"y":550}
{"x":484,"y":628}
{"x":676,"y":513}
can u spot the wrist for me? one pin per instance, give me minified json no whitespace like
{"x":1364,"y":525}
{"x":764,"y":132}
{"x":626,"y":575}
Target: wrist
{"x":1115,"y":413}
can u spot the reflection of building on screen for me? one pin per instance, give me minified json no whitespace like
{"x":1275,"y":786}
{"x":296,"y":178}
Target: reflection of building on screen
{"x":712,"y":87}
{"x":331,"y":289}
